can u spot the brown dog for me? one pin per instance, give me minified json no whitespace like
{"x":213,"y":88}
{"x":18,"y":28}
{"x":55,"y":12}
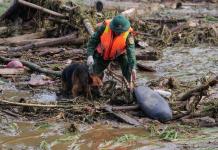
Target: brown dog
{"x":77,"y":80}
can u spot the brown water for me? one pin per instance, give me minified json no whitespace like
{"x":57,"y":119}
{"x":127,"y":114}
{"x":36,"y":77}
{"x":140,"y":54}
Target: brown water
{"x":98,"y":137}
{"x":183,"y":63}
{"x":29,"y":136}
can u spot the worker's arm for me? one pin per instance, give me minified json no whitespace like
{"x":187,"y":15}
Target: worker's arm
{"x":95,"y":40}
{"x":130,"y":49}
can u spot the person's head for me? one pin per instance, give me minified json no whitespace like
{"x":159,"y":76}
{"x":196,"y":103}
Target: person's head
{"x":119,"y":24}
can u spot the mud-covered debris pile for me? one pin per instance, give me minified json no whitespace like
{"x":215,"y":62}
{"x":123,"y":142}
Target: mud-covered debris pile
{"x":53,"y":35}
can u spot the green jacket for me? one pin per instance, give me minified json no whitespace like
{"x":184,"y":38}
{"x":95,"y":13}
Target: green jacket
{"x":130,"y":46}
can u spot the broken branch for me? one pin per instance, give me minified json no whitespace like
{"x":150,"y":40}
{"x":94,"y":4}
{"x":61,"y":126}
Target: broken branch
{"x":45,"y":10}
{"x":50,"y":42}
{"x":201,"y":88}
{"x":34,"y":67}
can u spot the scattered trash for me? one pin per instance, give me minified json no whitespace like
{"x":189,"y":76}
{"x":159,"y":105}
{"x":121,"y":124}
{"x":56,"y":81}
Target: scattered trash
{"x":14,"y":64}
{"x":38,"y":80}
{"x":163,"y":93}
{"x":143,"y":44}
{"x":11,"y":71}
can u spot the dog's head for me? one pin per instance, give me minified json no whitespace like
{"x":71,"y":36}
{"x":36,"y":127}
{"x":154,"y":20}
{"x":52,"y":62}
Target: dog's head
{"x":95,"y":81}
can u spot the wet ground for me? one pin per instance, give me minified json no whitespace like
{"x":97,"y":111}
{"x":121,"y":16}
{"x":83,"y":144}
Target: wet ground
{"x":184,"y":63}
{"x":55,"y":136}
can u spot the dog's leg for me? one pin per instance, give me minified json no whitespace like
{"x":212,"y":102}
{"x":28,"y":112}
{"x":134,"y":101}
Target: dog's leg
{"x":88,"y":93}
{"x":75,"y":91}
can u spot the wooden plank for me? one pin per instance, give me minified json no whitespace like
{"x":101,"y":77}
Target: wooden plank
{"x":11,"y":71}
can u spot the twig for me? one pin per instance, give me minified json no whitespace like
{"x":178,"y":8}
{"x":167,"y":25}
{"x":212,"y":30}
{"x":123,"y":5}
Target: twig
{"x":201,"y":88}
{"x":5,"y":102}
{"x":11,"y":113}
{"x":120,"y":77}
{"x":123,"y":117}
{"x":72,"y":107}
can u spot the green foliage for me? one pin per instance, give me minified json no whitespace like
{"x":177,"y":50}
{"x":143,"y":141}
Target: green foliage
{"x":169,"y":134}
{"x":44,"y":146}
{"x":13,"y":126}
{"x":127,"y":137}
{"x":211,"y":19}
{"x":211,"y":107}
{"x":42,"y":125}
{"x":66,"y":138}
{"x":152,"y":129}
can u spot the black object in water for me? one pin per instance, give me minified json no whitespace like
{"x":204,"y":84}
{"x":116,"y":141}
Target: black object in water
{"x":152,"y":104}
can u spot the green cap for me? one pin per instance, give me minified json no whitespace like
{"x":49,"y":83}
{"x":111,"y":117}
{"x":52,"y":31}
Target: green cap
{"x":119,"y":24}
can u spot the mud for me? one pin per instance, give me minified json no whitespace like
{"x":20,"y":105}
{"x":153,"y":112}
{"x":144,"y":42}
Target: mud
{"x":56,"y":136}
{"x":183,"y":63}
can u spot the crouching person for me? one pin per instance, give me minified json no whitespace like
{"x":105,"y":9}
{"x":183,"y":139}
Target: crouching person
{"x":113,"y":40}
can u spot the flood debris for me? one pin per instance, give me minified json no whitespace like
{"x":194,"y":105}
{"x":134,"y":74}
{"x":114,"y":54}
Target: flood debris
{"x":39,"y":38}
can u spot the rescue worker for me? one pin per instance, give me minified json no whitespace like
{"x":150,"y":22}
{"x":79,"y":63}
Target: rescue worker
{"x":113,"y":40}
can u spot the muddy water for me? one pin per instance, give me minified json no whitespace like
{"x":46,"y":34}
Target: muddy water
{"x":97,"y":137}
{"x":183,"y":63}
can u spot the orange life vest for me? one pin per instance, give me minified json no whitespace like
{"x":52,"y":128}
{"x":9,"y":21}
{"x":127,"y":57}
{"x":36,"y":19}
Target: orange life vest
{"x":111,"y":47}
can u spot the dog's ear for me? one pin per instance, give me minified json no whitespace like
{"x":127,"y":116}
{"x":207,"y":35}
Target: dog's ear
{"x":96,"y":81}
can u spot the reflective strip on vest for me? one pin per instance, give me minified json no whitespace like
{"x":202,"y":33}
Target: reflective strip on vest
{"x":111,"y":47}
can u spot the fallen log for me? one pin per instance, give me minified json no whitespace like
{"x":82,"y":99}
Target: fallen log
{"x":130,"y":13}
{"x":88,"y":26}
{"x":49,"y":51}
{"x":34,"y":67}
{"x":200,"y":89}
{"x":145,"y":68}
{"x":148,"y":54}
{"x":45,"y":10}
{"x":11,"y":71}
{"x":69,"y":39}
{"x":123,"y":117}
{"x":17,"y":40}
{"x":165,"y":21}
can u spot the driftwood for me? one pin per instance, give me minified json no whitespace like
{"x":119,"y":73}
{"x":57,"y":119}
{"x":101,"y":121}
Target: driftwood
{"x":152,"y":54}
{"x":88,"y":26}
{"x":26,"y":38}
{"x":145,"y":68}
{"x":69,"y":39}
{"x":200,"y":89}
{"x":11,"y":71}
{"x":45,"y":10}
{"x":61,"y":21}
{"x":123,"y":117}
{"x":125,"y":107}
{"x":165,"y":21}
{"x":34,"y":67}
{"x":11,"y":113}
{"x":130,"y":13}
{"x":5,"y":102}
